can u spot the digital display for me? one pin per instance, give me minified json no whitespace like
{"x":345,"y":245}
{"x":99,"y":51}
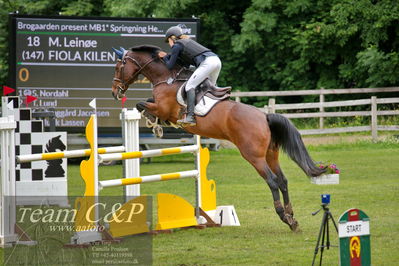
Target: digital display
{"x":67,"y":61}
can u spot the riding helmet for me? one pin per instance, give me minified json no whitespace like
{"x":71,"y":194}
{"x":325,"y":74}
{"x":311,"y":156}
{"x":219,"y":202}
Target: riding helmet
{"x":175,"y":30}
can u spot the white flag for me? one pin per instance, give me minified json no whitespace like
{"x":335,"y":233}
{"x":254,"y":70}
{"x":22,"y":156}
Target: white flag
{"x":10,"y":106}
{"x":93,"y":104}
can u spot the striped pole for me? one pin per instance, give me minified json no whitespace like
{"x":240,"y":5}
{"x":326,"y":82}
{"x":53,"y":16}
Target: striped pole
{"x":149,"y":153}
{"x":147,"y":179}
{"x":66,"y":154}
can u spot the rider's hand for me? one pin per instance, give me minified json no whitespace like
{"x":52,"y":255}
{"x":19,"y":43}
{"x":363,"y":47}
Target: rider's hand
{"x":162,"y":54}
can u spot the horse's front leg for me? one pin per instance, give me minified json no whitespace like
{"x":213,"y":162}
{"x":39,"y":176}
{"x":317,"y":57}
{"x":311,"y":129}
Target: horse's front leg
{"x":149,"y":107}
{"x":151,"y":113}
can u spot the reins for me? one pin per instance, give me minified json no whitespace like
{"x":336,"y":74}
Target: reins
{"x":123,"y":86}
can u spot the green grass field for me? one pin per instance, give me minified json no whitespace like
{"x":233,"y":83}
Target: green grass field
{"x":369,"y":181}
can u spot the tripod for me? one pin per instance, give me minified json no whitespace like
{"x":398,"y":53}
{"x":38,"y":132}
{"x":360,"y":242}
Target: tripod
{"x":324,"y":232}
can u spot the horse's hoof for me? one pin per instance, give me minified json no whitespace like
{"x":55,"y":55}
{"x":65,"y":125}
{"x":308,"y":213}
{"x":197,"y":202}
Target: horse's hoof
{"x":294,"y":226}
{"x":158,"y":131}
{"x":292,"y":223}
{"x":149,"y":116}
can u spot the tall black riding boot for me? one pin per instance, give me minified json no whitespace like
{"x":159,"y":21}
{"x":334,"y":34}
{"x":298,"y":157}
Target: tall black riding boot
{"x":190,"y":117}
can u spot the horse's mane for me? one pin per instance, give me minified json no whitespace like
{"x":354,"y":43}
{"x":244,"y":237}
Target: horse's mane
{"x":152,"y":49}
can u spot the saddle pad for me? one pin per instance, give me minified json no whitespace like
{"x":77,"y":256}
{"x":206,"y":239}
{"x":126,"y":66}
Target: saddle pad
{"x":203,"y":106}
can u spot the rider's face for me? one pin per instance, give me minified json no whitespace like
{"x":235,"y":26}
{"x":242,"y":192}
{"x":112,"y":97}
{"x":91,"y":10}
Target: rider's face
{"x":171,"y":42}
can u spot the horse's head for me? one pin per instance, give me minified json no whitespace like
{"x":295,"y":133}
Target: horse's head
{"x":125,"y":73}
{"x":130,"y":64}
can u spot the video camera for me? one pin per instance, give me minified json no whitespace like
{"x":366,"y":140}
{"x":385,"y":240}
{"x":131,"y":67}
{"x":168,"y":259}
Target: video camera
{"x":325,"y":199}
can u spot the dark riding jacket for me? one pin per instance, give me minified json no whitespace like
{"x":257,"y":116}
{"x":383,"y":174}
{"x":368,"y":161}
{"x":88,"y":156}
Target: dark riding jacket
{"x":189,"y":52}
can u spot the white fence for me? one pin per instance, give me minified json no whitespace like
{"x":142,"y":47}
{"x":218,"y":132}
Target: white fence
{"x":272,"y":107}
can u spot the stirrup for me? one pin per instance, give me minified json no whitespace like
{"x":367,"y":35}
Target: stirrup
{"x":185,"y":122}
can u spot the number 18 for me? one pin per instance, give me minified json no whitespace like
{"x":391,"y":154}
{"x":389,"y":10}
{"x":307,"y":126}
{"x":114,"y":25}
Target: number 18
{"x":35,"y":41}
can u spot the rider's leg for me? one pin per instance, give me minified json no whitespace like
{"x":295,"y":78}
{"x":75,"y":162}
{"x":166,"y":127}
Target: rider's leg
{"x":217,"y":66}
{"x":209,"y":68}
{"x":189,"y":120}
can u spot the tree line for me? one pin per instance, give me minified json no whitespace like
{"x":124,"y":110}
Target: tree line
{"x":264,"y":44}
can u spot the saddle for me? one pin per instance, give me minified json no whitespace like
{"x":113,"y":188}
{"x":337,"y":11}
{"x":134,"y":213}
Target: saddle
{"x":206,"y":88}
{"x":207,"y":96}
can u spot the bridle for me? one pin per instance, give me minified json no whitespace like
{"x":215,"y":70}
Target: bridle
{"x":123,"y":86}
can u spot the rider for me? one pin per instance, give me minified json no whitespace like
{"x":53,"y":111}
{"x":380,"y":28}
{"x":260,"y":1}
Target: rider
{"x":207,"y":65}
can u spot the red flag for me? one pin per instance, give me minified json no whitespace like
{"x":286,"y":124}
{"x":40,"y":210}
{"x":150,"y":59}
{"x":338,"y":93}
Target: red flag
{"x":124,"y":99}
{"x":7,"y":90}
{"x":29,"y":99}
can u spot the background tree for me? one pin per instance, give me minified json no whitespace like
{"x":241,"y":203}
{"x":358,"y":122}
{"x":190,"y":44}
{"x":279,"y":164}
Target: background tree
{"x":332,"y":44}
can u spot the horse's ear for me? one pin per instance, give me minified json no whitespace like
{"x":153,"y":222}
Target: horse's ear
{"x":123,"y":50}
{"x":118,"y":53}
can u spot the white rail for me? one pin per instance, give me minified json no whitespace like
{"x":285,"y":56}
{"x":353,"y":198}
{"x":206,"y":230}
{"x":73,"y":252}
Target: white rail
{"x":66,"y":154}
{"x":149,"y":153}
{"x":147,"y":179}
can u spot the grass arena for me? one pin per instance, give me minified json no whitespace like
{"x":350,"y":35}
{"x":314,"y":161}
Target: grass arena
{"x":262,"y":240}
{"x":368,"y":181}
{"x":370,"y":187}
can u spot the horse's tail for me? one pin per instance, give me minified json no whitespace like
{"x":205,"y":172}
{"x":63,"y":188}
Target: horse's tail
{"x":285,"y":135}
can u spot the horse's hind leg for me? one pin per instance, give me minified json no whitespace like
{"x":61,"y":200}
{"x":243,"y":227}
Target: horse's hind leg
{"x":253,"y":140}
{"x":272,"y":160}
{"x":257,"y":158}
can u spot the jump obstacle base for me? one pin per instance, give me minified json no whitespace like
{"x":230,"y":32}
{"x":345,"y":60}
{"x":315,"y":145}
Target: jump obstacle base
{"x":173,"y":211}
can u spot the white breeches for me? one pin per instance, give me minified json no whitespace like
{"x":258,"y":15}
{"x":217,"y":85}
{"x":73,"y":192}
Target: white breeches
{"x":209,"y":68}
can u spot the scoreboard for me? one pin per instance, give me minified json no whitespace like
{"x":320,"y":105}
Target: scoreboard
{"x":67,"y":61}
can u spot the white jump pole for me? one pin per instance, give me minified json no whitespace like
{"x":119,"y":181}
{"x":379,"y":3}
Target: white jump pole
{"x":130,"y":135}
{"x":7,"y":182}
{"x":149,"y":153}
{"x":66,"y":154}
{"x":148,"y":179}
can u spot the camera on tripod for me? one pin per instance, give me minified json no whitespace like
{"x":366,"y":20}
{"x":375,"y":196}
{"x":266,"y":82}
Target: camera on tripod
{"x":324,"y":234}
{"x":325,"y":199}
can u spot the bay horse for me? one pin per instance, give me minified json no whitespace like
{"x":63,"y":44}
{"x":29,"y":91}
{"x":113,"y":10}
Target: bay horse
{"x":257,"y":135}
